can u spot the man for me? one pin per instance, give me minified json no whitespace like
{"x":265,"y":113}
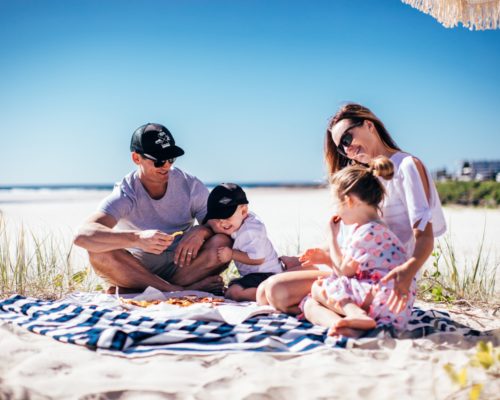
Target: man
{"x":129,"y":238}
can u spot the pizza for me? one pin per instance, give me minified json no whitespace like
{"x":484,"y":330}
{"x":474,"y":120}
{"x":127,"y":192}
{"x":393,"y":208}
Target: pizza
{"x":183,"y":301}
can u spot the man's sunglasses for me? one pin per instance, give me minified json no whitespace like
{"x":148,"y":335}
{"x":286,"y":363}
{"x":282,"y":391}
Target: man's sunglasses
{"x":158,"y":163}
{"x":346,"y":138}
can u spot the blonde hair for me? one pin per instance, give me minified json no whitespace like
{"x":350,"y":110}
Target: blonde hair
{"x":362,"y":181}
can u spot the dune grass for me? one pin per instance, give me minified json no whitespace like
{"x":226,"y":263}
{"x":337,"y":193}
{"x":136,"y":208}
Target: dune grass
{"x":43,"y":267}
{"x":452,"y":280}
{"x":31,"y":265}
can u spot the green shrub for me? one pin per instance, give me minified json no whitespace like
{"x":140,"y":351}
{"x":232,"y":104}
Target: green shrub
{"x":474,"y":193}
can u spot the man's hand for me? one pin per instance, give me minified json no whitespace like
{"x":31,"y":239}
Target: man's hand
{"x":224,"y":254}
{"x":189,"y":246}
{"x":403,"y":278}
{"x":315,"y":256}
{"x":154,"y":241}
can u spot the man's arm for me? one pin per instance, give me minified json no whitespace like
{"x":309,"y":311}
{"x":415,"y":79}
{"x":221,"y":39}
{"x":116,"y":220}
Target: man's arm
{"x":98,"y":236}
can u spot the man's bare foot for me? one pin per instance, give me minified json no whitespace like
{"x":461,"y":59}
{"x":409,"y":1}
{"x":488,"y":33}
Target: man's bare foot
{"x":291,"y":262}
{"x":363,"y":322}
{"x":212,"y":284}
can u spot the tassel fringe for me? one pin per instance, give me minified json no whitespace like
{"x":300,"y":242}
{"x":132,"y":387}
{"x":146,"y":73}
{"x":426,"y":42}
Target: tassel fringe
{"x":473,"y":14}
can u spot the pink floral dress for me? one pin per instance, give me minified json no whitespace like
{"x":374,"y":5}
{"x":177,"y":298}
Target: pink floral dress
{"x":377,"y":250}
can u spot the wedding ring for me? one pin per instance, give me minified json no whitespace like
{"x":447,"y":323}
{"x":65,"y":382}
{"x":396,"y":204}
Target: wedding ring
{"x":190,"y":252}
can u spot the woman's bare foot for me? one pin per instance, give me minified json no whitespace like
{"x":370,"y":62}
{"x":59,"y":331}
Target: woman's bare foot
{"x":212,"y":284}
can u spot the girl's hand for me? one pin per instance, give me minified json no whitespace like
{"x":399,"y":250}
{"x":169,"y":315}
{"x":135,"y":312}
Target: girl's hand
{"x":334,"y":226}
{"x":403,"y":277}
{"x":349,"y":267}
{"x":315,"y":256}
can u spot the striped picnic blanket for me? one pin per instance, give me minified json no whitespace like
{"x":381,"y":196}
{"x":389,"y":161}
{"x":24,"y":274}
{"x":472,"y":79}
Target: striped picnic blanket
{"x":131,"y":334}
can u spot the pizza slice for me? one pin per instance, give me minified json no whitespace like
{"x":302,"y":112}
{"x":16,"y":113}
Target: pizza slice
{"x":184,"y":301}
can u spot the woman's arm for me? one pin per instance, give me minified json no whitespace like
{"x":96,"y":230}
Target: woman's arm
{"x":424,"y":244}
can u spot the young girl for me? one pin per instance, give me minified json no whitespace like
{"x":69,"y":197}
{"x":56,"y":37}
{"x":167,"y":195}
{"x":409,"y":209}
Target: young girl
{"x":352,"y":298}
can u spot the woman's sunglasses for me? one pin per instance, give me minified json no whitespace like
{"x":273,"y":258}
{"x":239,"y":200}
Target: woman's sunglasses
{"x":158,"y":163}
{"x":346,"y":138}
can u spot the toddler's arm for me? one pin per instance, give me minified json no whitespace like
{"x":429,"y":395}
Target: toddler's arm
{"x":243,"y":258}
{"x":226,"y":254}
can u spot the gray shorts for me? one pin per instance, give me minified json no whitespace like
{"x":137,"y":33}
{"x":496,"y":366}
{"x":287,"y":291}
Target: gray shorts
{"x":159,"y":264}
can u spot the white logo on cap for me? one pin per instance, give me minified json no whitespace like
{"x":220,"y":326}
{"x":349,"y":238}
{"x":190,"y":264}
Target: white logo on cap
{"x":163,"y":140}
{"x":225,"y":200}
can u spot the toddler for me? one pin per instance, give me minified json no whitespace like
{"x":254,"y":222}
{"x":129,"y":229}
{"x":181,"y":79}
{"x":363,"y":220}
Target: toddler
{"x":252,"y":251}
{"x":352,"y":298}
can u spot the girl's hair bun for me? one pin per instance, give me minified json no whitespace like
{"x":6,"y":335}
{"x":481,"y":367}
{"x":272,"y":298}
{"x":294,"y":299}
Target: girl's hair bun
{"x":382,"y":166}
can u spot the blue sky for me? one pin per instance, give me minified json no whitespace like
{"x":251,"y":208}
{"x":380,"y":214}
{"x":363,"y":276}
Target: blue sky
{"x":246,"y":87}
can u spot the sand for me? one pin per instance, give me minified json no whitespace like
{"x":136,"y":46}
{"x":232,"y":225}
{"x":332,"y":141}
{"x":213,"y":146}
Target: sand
{"x":36,"y":367}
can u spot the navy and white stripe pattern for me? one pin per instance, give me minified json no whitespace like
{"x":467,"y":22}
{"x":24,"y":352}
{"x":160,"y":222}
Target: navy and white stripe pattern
{"x":132,"y":334}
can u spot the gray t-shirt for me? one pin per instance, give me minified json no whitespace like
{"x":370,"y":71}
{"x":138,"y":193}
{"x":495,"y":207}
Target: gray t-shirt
{"x":133,"y":208}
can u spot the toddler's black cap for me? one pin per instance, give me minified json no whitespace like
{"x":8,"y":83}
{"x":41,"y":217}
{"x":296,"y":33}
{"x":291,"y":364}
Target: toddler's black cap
{"x":155,"y":141}
{"x":223,"y":201}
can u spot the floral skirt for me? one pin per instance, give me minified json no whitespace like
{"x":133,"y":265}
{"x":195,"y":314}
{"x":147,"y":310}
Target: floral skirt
{"x":343,"y":288}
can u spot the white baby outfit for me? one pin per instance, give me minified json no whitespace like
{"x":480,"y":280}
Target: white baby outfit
{"x":251,"y":238}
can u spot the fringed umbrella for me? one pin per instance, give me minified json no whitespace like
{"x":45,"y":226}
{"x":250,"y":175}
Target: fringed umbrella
{"x":473,"y":14}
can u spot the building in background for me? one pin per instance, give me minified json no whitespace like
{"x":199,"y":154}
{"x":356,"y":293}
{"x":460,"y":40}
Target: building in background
{"x":479,"y":171}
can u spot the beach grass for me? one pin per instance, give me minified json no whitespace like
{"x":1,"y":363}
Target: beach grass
{"x":452,"y":279}
{"x":31,"y":265}
{"x":43,"y":267}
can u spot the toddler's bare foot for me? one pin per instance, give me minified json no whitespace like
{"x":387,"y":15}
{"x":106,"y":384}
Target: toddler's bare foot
{"x":363,"y":322}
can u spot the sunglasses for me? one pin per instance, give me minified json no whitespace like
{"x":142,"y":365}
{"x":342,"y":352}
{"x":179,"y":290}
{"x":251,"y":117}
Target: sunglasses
{"x":346,"y":138}
{"x":158,"y":163}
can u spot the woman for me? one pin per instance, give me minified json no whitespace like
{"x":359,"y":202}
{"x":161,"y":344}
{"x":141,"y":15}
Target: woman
{"x":412,"y":209}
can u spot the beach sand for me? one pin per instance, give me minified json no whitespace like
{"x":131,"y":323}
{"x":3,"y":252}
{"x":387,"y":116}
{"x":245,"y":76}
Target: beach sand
{"x":37,"y":367}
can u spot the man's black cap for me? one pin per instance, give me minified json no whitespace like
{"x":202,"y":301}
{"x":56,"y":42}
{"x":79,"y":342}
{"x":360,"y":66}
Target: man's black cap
{"x":155,"y":141}
{"x":223,"y":201}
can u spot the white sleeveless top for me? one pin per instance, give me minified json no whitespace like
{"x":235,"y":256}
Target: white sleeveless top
{"x":406,"y":203}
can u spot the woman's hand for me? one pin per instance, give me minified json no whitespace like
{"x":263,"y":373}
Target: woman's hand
{"x":315,"y":256}
{"x":403,"y":277}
